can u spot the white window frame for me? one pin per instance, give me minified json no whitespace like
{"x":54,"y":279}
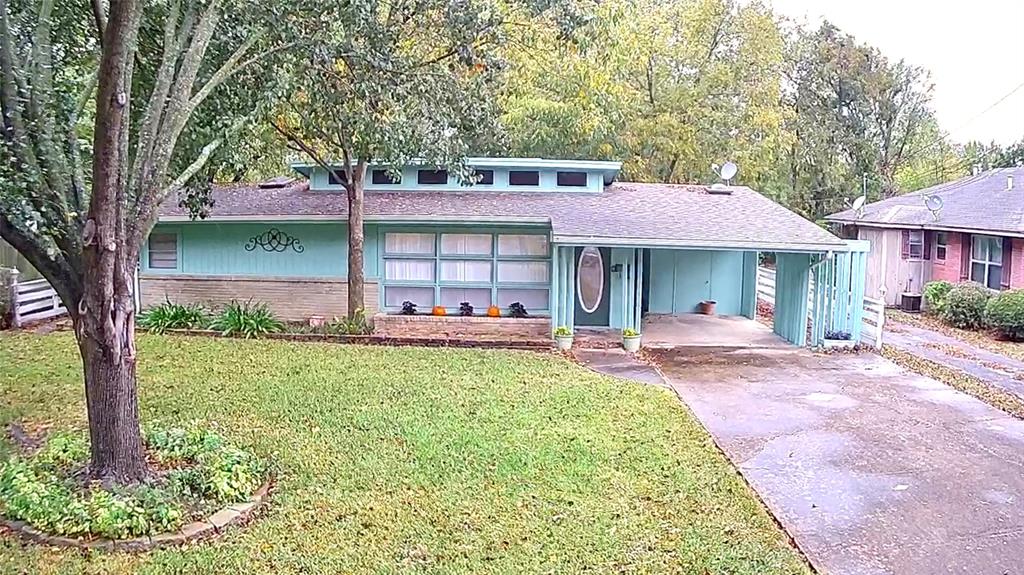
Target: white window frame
{"x":988,"y":263}
{"x":177,"y":251}
{"x":916,"y":240}
{"x":494,"y":258}
{"x":941,"y":243}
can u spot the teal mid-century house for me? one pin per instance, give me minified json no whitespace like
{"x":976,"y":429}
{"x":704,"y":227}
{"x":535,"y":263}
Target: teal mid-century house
{"x":561,"y":237}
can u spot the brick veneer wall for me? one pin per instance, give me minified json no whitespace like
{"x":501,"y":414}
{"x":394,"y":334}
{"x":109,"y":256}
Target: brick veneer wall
{"x":293,"y":299}
{"x":458,"y":327}
{"x":948,"y":270}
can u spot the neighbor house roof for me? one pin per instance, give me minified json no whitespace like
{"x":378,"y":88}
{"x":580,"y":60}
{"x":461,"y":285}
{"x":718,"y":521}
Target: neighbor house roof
{"x":991,"y":201}
{"x":622,"y":214}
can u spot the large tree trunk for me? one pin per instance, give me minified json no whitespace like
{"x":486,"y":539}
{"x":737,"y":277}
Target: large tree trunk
{"x":105,"y":316}
{"x":355,"y":240}
{"x":111,"y":395}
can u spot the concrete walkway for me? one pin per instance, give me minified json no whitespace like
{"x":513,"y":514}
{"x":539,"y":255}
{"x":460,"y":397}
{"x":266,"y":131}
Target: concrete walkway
{"x":871,"y":469}
{"x":993,"y":368}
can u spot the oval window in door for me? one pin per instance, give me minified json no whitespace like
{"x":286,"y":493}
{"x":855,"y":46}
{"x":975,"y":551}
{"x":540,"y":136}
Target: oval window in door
{"x":590,"y":279}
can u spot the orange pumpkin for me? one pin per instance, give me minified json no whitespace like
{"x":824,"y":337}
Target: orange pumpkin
{"x":439,"y":310}
{"x":494,"y":311}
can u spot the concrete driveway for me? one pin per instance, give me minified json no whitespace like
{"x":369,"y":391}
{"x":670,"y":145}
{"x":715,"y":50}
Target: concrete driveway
{"x":870,"y":468}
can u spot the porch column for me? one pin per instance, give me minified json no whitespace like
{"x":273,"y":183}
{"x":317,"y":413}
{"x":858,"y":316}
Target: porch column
{"x":792,"y":284}
{"x":569,"y":255}
{"x":563,"y":286}
{"x":638,"y":290}
{"x":554,"y":302}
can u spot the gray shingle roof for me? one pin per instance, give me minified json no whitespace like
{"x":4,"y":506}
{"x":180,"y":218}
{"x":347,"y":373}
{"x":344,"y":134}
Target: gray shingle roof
{"x":641,"y":214}
{"x":975,"y":203}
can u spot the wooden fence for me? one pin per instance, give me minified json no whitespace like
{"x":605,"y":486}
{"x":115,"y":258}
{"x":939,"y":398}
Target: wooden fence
{"x":873,"y":323}
{"x":33,"y":301}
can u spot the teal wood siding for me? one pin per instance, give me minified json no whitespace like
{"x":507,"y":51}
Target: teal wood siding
{"x":626,"y":288}
{"x":319,"y":182}
{"x":681,"y":279}
{"x":208,"y":248}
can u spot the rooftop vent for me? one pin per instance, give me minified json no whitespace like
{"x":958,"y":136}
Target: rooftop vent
{"x":1009,"y":182}
{"x":719,"y":190}
{"x":276,"y":183}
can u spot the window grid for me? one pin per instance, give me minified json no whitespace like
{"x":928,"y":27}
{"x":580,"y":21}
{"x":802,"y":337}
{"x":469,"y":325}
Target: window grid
{"x":916,"y":244}
{"x":987,"y":266}
{"x":166,"y":237}
{"x":493,"y":285}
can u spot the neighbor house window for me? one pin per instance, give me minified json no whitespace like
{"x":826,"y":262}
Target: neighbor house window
{"x":432,"y":177}
{"x":941,"y":245}
{"x":384,"y":177}
{"x":485,"y":177}
{"x":572,"y":179}
{"x":163,"y":251}
{"x":987,"y":260}
{"x":450,"y":268}
{"x":523,"y":178}
{"x":337,"y":177}
{"x":916,"y":244}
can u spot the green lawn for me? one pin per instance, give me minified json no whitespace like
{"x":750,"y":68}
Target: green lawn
{"x":404,"y":460}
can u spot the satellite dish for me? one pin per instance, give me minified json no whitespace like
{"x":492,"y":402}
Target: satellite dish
{"x":859,"y":203}
{"x":934,"y":205}
{"x":728,"y":171}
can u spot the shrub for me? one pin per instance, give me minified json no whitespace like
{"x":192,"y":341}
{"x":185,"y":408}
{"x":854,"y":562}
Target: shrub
{"x":935,"y":294}
{"x":160,"y":318}
{"x":517,"y":309}
{"x":408,"y":308}
{"x":465,"y":309}
{"x":965,"y":306}
{"x":563,"y":331}
{"x":247,"y":319}
{"x":630,"y":332}
{"x":1005,"y":314}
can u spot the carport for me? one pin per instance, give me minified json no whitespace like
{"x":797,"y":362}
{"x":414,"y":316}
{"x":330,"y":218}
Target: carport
{"x":656,"y":290}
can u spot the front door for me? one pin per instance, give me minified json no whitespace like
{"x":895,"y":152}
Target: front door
{"x":593,"y":286}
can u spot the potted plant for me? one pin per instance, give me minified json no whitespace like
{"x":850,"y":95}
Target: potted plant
{"x":837,"y":340}
{"x":517,"y":309}
{"x":707,"y":307}
{"x":563,"y":337}
{"x":408,"y":308}
{"x":465,"y":309}
{"x":631,"y":340}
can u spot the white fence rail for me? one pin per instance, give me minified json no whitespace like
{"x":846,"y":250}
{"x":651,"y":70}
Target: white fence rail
{"x":33,"y":301}
{"x":874,"y":310}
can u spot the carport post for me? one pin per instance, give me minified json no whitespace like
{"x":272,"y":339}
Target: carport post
{"x":553,"y":296}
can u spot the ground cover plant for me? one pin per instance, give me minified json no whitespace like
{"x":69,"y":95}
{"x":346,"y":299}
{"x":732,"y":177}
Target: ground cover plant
{"x":196,"y":472}
{"x":419,"y":460}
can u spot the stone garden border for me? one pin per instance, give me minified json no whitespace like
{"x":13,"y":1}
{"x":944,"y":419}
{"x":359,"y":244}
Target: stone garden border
{"x":235,"y":514}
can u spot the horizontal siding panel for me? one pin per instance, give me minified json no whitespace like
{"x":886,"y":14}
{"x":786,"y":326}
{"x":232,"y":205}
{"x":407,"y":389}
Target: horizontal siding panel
{"x":292,"y":299}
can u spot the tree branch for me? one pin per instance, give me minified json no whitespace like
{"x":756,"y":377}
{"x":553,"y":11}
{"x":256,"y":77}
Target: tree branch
{"x":99,"y":18}
{"x":227,"y":69}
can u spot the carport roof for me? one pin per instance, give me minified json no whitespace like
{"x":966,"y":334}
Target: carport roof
{"x":625,"y":214}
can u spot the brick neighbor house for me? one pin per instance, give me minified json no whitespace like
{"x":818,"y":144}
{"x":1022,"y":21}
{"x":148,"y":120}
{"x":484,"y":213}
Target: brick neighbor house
{"x":968,"y":229}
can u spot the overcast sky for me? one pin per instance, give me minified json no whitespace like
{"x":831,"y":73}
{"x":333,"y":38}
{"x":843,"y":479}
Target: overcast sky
{"x":974,"y":50}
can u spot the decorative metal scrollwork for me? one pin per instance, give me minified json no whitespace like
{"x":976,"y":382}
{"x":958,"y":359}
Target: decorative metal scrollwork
{"x":274,"y":240}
